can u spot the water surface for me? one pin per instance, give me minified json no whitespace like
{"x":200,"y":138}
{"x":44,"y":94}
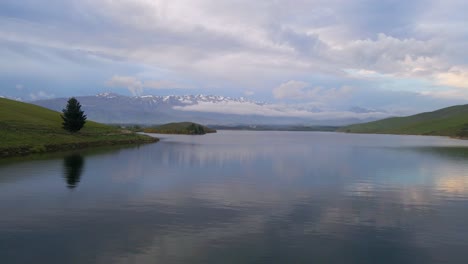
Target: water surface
{"x":241,"y":197}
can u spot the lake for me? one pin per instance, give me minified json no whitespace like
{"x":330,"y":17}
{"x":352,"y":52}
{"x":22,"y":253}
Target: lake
{"x":241,"y":197}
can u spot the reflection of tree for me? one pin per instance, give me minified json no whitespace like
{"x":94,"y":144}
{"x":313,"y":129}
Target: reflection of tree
{"x":73,"y":167}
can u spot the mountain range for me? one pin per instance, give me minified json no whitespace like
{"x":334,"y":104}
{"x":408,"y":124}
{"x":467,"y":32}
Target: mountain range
{"x":207,"y":109}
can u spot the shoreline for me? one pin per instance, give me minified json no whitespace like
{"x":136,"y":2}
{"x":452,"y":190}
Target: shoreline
{"x":21,"y":151}
{"x":395,"y":134}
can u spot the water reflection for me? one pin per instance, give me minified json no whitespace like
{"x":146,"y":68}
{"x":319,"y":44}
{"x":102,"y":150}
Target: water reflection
{"x":450,"y":152}
{"x":73,"y":169}
{"x":242,"y":198}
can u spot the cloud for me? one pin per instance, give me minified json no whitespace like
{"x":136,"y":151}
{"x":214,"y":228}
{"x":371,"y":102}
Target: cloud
{"x":136,"y":87}
{"x":456,"y":77}
{"x":299,"y":90}
{"x":40,"y":95}
{"x":391,"y":59}
{"x":132,"y":84}
{"x":275,"y":110}
{"x":255,"y":45}
{"x":249,"y":93}
{"x":449,"y":94}
{"x":291,"y":89}
{"x":162,"y":84}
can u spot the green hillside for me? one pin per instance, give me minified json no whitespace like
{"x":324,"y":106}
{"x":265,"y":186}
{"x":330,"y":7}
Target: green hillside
{"x":27,"y":128}
{"x":450,"y":121}
{"x":187,"y":128}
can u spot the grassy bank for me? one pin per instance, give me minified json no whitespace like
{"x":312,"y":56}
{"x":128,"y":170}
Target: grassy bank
{"x":27,"y":128}
{"x":450,"y":121}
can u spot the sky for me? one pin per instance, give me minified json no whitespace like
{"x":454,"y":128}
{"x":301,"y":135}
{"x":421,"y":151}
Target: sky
{"x":400,"y":57}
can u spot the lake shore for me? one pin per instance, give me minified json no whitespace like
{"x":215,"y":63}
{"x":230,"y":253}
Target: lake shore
{"x":25,"y":150}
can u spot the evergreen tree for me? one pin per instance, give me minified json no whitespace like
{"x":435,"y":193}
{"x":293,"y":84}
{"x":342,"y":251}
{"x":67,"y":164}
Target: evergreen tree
{"x":73,"y":118}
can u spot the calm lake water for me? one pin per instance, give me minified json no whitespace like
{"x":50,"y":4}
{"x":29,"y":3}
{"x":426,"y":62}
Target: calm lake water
{"x":241,"y":197}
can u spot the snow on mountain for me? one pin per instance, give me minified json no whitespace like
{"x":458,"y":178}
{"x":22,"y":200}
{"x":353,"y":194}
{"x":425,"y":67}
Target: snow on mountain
{"x":206,"y":109}
{"x":186,"y":99}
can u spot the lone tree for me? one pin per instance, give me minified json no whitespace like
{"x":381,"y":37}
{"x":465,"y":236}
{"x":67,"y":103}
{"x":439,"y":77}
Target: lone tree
{"x":73,"y":118}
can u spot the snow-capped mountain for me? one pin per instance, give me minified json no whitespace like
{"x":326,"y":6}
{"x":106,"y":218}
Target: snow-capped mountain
{"x":178,"y":99}
{"x":206,"y":109}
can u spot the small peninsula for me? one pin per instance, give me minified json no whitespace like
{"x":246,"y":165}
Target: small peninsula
{"x":184,"y":128}
{"x":451,"y":122}
{"x":27,"y":129}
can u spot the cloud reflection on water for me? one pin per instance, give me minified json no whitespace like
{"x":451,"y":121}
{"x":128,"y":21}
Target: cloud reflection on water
{"x":186,"y":201}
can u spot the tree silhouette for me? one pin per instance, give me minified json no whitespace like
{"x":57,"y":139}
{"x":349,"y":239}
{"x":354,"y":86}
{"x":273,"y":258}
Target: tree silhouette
{"x":73,"y":168}
{"x":73,"y":118}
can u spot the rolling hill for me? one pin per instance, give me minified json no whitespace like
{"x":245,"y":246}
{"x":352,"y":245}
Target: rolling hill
{"x":27,"y":128}
{"x":451,"y":121}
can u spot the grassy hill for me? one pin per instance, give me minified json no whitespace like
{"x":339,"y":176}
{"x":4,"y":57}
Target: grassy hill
{"x":450,"y":121}
{"x":187,"y":128}
{"x":27,"y":128}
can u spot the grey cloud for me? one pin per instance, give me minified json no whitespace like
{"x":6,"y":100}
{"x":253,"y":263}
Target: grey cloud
{"x":302,"y":43}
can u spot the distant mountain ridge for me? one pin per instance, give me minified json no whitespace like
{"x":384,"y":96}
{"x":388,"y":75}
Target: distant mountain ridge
{"x":204,"y":109}
{"x":451,"y":121}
